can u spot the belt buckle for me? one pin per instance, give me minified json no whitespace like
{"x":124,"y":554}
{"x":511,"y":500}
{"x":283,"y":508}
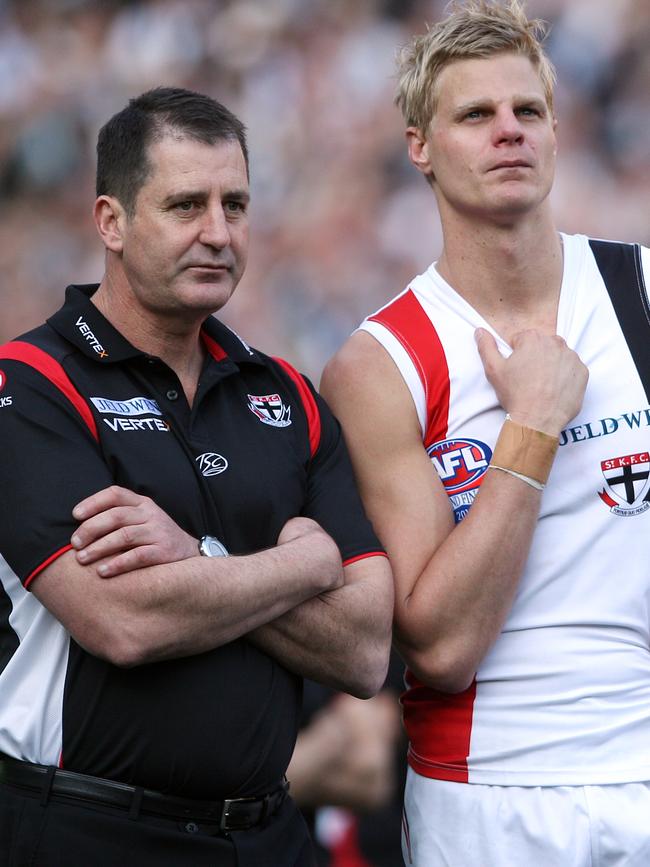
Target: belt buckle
{"x":225,"y":813}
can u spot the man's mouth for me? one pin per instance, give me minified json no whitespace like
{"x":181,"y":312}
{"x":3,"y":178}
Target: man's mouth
{"x":511,"y":164}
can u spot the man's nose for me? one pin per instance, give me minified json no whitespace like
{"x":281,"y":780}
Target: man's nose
{"x":507,"y":127}
{"x":215,"y":231}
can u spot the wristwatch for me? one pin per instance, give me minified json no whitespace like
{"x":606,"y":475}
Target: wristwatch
{"x":210,"y":546}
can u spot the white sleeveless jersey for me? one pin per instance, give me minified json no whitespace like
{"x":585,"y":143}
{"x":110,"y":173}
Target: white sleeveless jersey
{"x":563,"y":696}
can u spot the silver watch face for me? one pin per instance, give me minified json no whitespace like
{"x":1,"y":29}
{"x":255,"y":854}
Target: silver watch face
{"x":209,"y":546}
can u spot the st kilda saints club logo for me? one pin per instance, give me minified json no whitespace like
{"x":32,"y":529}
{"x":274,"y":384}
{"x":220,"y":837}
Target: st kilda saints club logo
{"x":270,"y":409}
{"x":627,"y":484}
{"x":461,"y":465}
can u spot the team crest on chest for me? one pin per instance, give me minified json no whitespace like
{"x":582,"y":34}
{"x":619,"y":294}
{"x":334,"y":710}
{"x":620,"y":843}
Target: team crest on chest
{"x":461,"y":465}
{"x":270,"y":409}
{"x":627,"y":484}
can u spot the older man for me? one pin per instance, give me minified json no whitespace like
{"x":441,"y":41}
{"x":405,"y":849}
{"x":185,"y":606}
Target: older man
{"x":149,"y":719}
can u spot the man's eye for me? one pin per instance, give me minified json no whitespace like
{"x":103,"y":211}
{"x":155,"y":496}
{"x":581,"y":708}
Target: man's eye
{"x":235,"y":207}
{"x":184,"y":206}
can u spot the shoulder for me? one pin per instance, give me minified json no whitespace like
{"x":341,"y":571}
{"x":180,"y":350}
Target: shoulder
{"x":41,"y":350}
{"x":360,"y":363}
{"x":366,"y":390}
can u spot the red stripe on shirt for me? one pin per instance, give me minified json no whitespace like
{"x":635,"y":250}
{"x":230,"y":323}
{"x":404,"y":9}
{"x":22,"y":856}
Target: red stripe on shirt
{"x":407,"y":321}
{"x":34,"y":357}
{"x":308,"y":402}
{"x":215,"y":350}
{"x":439,"y":725}
{"x":46,"y":563}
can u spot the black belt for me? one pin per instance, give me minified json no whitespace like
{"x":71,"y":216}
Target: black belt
{"x":231,"y":814}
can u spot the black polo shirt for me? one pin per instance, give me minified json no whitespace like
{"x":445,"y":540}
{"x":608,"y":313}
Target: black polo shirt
{"x":80,"y":409}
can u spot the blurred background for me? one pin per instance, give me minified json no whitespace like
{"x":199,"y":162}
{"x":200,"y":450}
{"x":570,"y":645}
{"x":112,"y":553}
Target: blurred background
{"x":340,"y":220}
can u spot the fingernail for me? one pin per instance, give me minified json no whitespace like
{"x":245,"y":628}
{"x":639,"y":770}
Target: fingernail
{"x":76,"y":541}
{"x":82,"y":556}
{"x":103,"y":570}
{"x":78,"y":513}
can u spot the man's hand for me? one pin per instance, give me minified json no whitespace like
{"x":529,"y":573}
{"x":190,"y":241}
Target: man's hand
{"x":134,"y":532}
{"x":128,"y":529}
{"x":541,"y":384}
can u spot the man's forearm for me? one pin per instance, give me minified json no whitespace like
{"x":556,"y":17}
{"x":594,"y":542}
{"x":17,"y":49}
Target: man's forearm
{"x":342,"y":637}
{"x":187,"y":607}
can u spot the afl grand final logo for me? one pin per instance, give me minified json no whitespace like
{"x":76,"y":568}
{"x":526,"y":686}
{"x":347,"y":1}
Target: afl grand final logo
{"x":461,"y":465}
{"x":627,"y":484}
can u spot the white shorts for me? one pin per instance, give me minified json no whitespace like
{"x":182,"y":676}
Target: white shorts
{"x":468,"y":825}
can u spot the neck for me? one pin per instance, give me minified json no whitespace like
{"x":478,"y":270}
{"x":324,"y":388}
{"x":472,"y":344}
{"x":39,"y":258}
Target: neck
{"x":510,"y":274}
{"x":172,"y":338}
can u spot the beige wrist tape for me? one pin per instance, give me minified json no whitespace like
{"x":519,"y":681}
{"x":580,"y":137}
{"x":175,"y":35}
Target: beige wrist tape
{"x":525,"y":451}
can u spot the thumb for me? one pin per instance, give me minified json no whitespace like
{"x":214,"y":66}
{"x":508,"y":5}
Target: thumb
{"x":487,"y":349}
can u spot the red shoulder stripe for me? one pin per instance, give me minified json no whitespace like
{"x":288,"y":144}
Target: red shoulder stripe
{"x":403,"y":317}
{"x":308,"y":402}
{"x":17,"y":350}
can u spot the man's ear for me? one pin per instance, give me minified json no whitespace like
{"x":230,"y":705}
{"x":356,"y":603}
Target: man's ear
{"x":418,"y":150}
{"x":110,"y":219}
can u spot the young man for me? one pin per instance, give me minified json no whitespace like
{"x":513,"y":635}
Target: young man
{"x":149,"y":719}
{"x":511,"y":496}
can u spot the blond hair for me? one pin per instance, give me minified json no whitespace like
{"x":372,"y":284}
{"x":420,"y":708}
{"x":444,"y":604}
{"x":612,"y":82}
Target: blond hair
{"x":473,"y":29}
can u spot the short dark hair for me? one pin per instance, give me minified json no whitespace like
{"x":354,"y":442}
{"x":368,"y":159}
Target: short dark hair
{"x":123,"y":165}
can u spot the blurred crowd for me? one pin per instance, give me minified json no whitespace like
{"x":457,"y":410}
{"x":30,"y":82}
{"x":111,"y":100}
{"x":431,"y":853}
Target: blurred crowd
{"x":340,"y":220}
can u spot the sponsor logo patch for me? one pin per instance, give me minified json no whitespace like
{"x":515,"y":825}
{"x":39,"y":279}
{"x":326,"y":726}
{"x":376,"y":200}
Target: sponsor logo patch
{"x":270,"y":409}
{"x":211,"y":464}
{"x":127,"y":414}
{"x":627,"y":484}
{"x":135,"y":424}
{"x":87,"y":334}
{"x":461,"y":465}
{"x":604,"y":427}
{"x":134,"y":406}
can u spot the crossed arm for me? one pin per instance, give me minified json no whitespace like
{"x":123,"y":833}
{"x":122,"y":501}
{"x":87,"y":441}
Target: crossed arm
{"x":454,"y":585}
{"x":294,"y":600}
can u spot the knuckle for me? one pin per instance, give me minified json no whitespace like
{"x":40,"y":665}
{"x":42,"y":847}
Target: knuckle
{"x":140,"y":557}
{"x":128,"y":535}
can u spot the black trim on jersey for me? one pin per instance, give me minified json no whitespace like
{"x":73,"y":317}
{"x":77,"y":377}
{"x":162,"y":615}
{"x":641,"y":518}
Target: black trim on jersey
{"x":622,"y":271}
